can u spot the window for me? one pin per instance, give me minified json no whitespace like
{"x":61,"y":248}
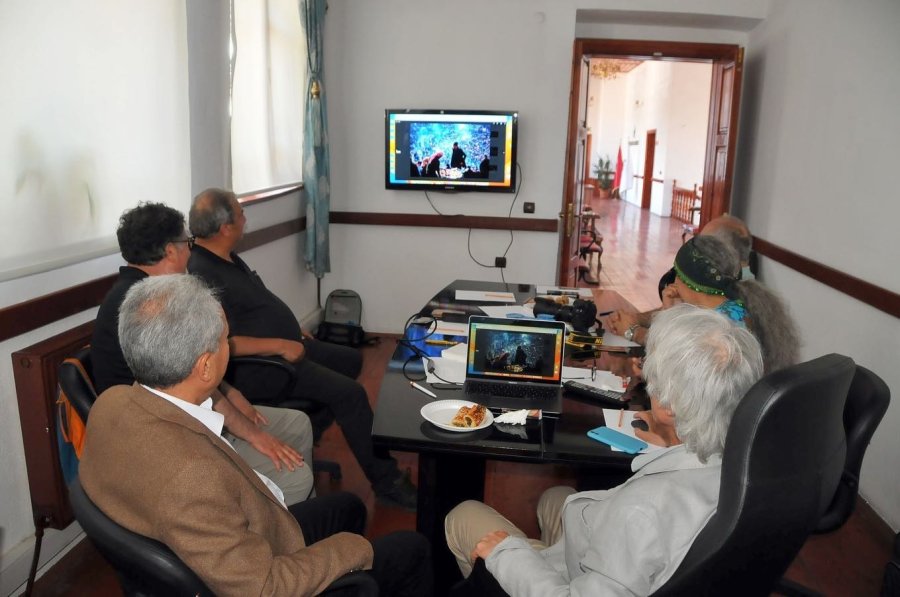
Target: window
{"x":268,"y":57}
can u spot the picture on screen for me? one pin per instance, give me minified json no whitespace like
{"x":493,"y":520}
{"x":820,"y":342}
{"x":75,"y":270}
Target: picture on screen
{"x":499,"y":352}
{"x":445,"y":150}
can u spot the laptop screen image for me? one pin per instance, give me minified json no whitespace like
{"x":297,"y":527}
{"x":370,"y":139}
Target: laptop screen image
{"x":515,"y":350}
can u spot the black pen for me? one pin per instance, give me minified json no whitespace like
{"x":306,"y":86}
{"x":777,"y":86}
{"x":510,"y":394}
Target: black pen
{"x":605,"y":313}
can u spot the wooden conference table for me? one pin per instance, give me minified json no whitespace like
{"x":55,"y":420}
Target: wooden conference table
{"x":452,"y":465}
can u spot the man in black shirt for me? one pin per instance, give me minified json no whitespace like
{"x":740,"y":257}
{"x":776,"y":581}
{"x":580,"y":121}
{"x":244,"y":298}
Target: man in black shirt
{"x":273,"y":441}
{"x":262,"y":324}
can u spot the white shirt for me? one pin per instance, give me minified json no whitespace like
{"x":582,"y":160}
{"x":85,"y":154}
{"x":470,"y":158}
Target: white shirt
{"x":214,"y":422}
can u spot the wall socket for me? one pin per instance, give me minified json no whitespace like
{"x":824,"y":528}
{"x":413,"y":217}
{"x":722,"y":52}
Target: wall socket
{"x":528,"y":207}
{"x":499,"y":261}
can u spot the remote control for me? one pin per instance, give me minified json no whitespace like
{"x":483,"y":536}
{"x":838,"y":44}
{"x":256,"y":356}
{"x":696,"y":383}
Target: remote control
{"x":607,"y":398}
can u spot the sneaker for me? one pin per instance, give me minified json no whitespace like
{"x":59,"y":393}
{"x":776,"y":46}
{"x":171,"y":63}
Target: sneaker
{"x":401,"y":493}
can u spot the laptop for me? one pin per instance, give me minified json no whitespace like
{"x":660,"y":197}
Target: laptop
{"x":515,"y":363}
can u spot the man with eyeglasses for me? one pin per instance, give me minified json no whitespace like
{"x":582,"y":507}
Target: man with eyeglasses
{"x":277,"y":442}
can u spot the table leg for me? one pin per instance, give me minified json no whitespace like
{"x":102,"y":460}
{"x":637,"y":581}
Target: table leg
{"x":445,"y":480}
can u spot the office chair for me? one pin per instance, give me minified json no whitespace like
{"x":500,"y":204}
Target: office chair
{"x":145,"y":566}
{"x":783,"y":458}
{"x":268,"y":381}
{"x":867,"y":401}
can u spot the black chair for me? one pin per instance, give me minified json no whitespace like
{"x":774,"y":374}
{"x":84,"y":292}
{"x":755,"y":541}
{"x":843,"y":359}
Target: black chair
{"x":268,"y":381}
{"x":145,"y":566}
{"x":867,"y":401}
{"x":782,"y":462}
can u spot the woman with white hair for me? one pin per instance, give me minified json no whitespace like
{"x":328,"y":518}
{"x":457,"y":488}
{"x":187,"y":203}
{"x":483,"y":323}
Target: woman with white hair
{"x":631,"y":539}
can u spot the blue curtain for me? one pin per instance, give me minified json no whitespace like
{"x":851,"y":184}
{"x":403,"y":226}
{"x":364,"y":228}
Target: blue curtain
{"x":316,"y":163}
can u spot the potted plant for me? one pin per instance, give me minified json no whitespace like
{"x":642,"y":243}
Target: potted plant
{"x":604,"y":176}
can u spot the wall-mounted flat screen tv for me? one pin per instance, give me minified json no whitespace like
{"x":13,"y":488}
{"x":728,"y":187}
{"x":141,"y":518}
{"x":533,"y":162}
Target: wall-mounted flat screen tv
{"x":450,"y":150}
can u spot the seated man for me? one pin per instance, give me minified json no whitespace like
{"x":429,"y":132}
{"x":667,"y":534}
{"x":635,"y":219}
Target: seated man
{"x":629,"y":540}
{"x":155,"y":462}
{"x":274,"y":441}
{"x":262,"y":324}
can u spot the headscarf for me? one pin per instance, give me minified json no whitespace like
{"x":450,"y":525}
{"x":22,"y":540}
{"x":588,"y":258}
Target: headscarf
{"x":699,"y":274}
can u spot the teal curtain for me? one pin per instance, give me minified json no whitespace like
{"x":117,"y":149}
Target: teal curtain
{"x":316,"y":167}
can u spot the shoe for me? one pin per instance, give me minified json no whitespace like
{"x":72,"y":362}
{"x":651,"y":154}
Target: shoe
{"x":401,"y":493}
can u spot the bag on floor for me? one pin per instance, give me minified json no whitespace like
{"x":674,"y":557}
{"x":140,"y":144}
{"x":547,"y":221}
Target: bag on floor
{"x":343,"y":318}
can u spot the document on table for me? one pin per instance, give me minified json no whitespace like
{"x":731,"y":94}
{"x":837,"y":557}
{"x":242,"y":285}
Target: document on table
{"x":445,"y":370}
{"x":485,"y":296}
{"x":612,"y":421}
{"x":610,"y":339}
{"x":602,"y":379}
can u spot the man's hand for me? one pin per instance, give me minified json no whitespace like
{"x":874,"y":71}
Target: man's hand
{"x":306,"y":335}
{"x":670,"y":296}
{"x":292,"y":351}
{"x":621,"y":320}
{"x":624,"y":366}
{"x":487,"y":544}
{"x":237,"y":399}
{"x":278,"y":451}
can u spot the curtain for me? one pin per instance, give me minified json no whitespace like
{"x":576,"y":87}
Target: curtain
{"x":316,"y":167}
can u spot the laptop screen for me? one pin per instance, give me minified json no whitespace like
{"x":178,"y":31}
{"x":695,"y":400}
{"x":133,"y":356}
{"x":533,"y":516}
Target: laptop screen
{"x":515,"y":350}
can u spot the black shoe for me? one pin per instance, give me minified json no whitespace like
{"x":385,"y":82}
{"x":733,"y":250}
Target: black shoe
{"x":401,"y":493}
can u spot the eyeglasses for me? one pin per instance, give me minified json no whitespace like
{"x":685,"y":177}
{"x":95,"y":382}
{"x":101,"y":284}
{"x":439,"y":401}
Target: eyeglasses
{"x":191,"y":241}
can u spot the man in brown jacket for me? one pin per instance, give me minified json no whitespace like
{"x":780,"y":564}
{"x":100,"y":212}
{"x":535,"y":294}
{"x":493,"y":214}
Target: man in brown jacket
{"x":155,"y":462}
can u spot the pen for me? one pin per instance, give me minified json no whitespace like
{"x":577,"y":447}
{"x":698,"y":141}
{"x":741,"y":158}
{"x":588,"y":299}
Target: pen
{"x":432,"y":394}
{"x":621,"y":414}
{"x":496,"y":295}
{"x":605,"y":313}
{"x":442,"y":342}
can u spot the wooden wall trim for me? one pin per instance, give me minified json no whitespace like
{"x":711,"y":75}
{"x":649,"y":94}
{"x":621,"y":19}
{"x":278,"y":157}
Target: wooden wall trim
{"x":875,"y":296}
{"x":23,"y":317}
{"x":439,"y":221}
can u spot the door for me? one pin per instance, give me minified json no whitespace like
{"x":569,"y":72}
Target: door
{"x":723,"y":111}
{"x":649,"y":157}
{"x":727,"y":63}
{"x":576,"y":166}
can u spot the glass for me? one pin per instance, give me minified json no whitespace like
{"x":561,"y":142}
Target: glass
{"x":191,"y":241}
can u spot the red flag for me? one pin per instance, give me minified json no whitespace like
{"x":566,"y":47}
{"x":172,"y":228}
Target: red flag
{"x":620,"y":165}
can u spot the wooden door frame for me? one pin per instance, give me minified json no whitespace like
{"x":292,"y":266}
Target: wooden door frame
{"x":649,"y":161}
{"x":640,"y":49}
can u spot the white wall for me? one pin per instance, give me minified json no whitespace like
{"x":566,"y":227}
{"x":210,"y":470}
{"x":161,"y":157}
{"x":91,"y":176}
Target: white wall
{"x":818,"y":149}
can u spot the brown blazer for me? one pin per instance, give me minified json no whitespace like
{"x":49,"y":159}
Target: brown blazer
{"x":159,"y":472}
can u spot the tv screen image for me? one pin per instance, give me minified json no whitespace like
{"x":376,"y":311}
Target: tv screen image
{"x":450,"y":150}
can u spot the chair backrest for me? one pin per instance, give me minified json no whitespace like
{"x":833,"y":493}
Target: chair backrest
{"x":783,"y":458}
{"x":75,"y":380}
{"x":144,"y":566}
{"x":867,"y":402}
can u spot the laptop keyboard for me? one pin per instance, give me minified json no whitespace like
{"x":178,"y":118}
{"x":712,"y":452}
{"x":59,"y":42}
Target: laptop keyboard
{"x":511,"y":390}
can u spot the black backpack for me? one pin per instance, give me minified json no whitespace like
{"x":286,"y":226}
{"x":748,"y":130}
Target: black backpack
{"x":343,"y":318}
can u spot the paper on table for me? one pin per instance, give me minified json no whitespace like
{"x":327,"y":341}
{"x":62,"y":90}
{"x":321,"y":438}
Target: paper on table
{"x":445,"y":371}
{"x":602,"y":379}
{"x":612,"y":419}
{"x":506,"y":311}
{"x":610,"y":339}
{"x":488,"y":297}
{"x":449,"y":328}
{"x":582,"y":292}
{"x":456,"y":353}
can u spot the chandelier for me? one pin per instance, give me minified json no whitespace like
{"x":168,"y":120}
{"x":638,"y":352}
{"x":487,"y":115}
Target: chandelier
{"x":609,"y":68}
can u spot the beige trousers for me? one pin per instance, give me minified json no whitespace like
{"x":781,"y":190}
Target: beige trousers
{"x":470,"y":521}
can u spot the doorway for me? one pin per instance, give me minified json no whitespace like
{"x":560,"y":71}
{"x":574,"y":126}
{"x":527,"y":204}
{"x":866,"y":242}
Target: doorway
{"x":645,"y":144}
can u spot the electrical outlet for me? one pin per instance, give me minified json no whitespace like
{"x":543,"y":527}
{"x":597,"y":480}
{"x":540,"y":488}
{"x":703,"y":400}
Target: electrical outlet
{"x":528,"y":207}
{"x":499,"y":261}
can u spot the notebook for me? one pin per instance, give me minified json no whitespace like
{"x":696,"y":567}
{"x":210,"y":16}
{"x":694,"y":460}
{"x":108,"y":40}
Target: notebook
{"x":515,"y":363}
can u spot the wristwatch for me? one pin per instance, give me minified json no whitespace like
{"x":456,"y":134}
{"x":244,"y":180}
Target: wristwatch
{"x":629,"y":333}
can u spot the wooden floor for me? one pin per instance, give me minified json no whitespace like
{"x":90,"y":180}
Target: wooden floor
{"x":638,"y":248}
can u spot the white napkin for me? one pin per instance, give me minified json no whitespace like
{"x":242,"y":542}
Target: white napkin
{"x":513,"y":417}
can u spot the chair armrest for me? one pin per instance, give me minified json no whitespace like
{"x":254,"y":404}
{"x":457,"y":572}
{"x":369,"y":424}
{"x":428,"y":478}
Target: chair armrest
{"x":279,"y":380}
{"x":364,"y":584}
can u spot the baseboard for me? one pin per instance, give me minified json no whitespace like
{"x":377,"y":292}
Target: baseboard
{"x":16,"y":563}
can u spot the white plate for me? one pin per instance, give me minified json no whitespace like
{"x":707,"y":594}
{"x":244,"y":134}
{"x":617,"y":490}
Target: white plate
{"x":441,"y":412}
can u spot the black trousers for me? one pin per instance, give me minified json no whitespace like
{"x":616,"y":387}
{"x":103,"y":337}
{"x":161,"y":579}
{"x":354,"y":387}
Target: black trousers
{"x":402,"y":563}
{"x":327,"y":375}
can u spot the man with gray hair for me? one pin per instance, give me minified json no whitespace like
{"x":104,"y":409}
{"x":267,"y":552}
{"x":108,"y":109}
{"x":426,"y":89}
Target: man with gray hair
{"x":155,"y":462}
{"x":275,"y":441}
{"x":632,"y":538}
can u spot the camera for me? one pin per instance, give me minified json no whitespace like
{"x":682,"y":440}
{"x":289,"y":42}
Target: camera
{"x":581,"y":314}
